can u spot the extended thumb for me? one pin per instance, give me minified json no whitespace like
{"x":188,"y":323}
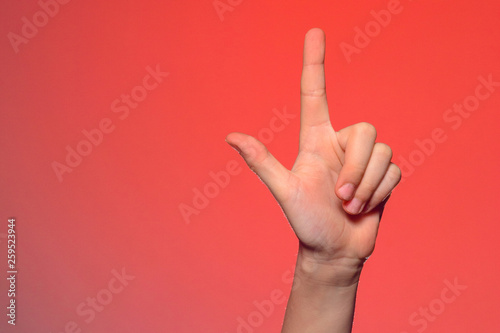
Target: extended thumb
{"x":262,"y":162}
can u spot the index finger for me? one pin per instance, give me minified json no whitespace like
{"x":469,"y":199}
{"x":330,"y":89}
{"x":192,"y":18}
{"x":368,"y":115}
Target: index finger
{"x":313,"y":104}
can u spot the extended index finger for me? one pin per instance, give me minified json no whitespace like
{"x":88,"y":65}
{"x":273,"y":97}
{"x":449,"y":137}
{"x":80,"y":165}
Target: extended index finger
{"x":314,"y":107}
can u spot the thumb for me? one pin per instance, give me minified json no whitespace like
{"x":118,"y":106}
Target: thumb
{"x":262,"y":162}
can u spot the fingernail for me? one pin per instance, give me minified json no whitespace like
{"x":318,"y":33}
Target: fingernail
{"x":355,"y":206}
{"x":346,"y":191}
{"x":235,"y":148}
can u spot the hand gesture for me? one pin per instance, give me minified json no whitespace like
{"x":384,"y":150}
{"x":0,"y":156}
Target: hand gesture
{"x":334,"y":195}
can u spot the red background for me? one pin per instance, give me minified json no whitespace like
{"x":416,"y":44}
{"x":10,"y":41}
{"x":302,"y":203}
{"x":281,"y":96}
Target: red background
{"x":121,"y":207}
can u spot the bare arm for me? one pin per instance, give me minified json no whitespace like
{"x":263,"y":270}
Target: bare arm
{"x":333,"y":198}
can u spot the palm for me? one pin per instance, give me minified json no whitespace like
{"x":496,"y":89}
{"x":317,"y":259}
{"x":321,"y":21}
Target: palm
{"x":314,"y":210}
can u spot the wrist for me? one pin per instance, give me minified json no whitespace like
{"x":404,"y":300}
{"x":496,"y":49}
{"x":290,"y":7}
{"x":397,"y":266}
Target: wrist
{"x":320,"y":269}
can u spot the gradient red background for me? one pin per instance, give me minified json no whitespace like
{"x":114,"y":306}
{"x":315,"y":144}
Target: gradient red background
{"x":120,"y":208}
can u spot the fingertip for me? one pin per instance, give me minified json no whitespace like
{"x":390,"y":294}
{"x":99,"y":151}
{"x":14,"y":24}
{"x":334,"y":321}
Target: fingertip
{"x":315,"y":39}
{"x":228,"y":138}
{"x":315,"y":32}
{"x":235,"y":140}
{"x":231,"y":137}
{"x":354,"y":206}
{"x":346,"y":191}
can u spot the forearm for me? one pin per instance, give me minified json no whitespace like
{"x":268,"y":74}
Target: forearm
{"x":322,"y":298}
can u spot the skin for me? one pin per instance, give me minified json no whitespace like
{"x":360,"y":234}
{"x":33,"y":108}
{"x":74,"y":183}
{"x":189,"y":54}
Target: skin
{"x":333,"y":198}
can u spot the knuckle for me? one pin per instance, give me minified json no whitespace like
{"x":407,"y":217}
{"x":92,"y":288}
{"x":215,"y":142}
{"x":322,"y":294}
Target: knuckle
{"x":253,"y":150}
{"x":318,"y":92}
{"x":354,"y":172}
{"x":383,"y":150}
{"x":367,"y":129}
{"x":394,"y":173}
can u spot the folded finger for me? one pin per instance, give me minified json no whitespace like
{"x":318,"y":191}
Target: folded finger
{"x":357,"y":142}
{"x":388,"y":183}
{"x":375,"y":171}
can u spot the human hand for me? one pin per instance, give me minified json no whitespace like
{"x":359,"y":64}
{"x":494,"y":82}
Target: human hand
{"x":334,"y":195}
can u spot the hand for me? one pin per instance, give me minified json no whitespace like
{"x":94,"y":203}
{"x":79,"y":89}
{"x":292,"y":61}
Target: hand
{"x":335,"y":193}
